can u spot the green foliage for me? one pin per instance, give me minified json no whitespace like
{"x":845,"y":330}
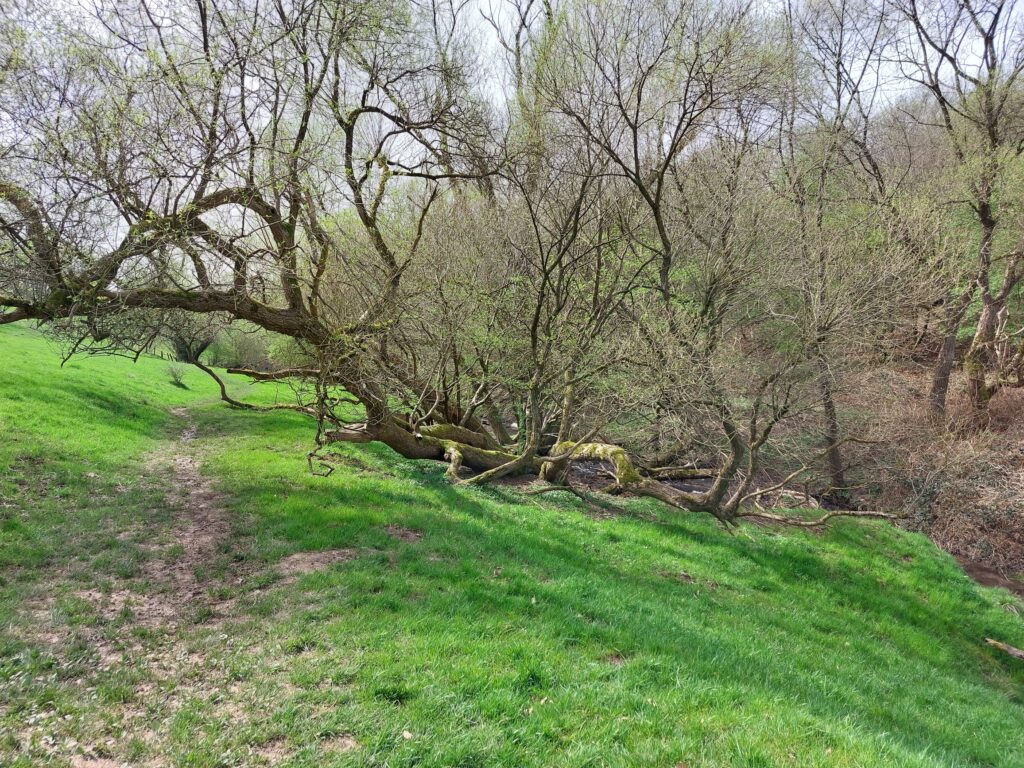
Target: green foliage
{"x":240,"y":346}
{"x":511,"y":632}
{"x":176,"y":375}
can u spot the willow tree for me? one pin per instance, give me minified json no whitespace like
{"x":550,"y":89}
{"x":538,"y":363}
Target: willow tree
{"x":494,"y":278}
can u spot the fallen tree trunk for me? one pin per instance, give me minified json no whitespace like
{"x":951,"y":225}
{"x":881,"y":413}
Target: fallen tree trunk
{"x":683,"y":473}
{"x":433,"y":442}
{"x":461,"y":446}
{"x":629,"y":479}
{"x":1016,"y":653}
{"x":553,"y":468}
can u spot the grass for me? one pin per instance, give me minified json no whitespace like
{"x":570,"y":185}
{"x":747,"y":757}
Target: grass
{"x":483,"y":629}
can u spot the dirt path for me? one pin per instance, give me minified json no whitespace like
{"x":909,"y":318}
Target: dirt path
{"x":202,"y":525}
{"x":177,"y":583}
{"x":182,"y":581}
{"x":182,"y":595}
{"x":175,"y":589}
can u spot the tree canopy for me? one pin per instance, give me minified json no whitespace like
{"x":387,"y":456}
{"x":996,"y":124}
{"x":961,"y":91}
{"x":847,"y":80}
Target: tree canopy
{"x":536,"y":233}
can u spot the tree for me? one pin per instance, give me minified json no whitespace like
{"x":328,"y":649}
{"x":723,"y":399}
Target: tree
{"x":969,"y":56}
{"x":857,"y":268}
{"x":509,"y":285}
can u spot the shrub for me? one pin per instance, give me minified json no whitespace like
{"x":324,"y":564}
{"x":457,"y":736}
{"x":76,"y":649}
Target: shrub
{"x":176,"y":374}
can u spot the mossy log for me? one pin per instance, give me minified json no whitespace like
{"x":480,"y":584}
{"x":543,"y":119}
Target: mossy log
{"x":554,"y":467}
{"x":459,"y":434}
{"x":627,"y":477}
{"x":431,"y":443}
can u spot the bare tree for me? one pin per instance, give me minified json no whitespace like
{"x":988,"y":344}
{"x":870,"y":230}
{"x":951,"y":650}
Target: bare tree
{"x":506,"y":285}
{"x":858,"y":266}
{"x":969,"y":56}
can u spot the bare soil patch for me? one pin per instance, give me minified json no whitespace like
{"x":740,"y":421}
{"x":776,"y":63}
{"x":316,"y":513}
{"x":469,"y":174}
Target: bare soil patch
{"x":990,"y":578}
{"x":306,"y":562}
{"x":403,"y":534}
{"x":340,"y":744}
{"x":78,"y":761}
{"x":274,"y":752}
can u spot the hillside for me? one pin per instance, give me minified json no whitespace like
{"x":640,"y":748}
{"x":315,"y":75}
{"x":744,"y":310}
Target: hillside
{"x":176,"y":588}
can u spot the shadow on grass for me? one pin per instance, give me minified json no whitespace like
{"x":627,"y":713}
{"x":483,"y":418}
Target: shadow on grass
{"x":835,"y":628}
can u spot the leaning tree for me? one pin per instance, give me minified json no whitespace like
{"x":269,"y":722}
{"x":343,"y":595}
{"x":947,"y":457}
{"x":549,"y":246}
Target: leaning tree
{"x":511,"y":271}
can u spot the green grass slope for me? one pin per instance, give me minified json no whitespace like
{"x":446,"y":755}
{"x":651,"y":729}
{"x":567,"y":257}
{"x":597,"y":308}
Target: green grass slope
{"x":484,"y":629}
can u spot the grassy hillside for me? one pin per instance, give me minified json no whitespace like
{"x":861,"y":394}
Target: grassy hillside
{"x":442,"y":626}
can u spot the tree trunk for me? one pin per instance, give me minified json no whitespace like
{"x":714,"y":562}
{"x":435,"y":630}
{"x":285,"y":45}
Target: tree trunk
{"x":833,"y":453}
{"x":953,"y":320}
{"x":978,"y":361}
{"x":496,"y":423}
{"x":182,"y":352}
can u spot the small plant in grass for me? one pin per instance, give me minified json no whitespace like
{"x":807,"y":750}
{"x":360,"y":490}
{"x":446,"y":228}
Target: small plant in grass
{"x":176,"y":375}
{"x":393,"y":693}
{"x":301,"y":643}
{"x":202,"y":614}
